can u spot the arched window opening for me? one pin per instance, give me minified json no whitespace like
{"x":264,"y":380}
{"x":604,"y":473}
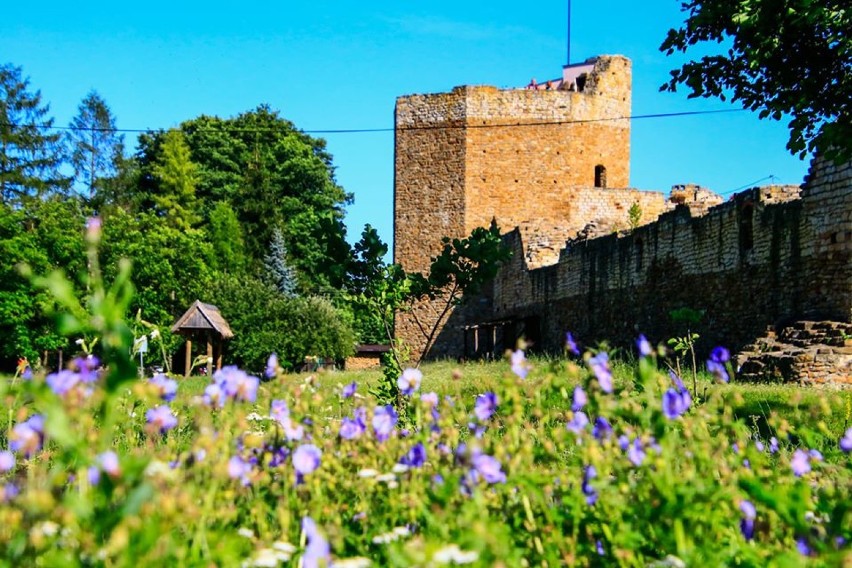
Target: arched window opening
{"x":600,"y":176}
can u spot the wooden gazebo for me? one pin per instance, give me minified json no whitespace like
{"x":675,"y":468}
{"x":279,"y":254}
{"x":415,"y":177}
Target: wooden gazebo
{"x":205,"y":322}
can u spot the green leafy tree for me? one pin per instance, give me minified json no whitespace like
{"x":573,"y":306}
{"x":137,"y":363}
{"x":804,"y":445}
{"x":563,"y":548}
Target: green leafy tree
{"x":96,"y":150}
{"x":779,"y":57}
{"x":369,"y":279}
{"x":46,"y":236}
{"x":171,"y":266}
{"x":226,"y":237}
{"x":277,"y":269}
{"x":272,"y":175}
{"x":177,"y":176}
{"x":457,"y":273}
{"x":264,"y":321}
{"x":30,"y":154}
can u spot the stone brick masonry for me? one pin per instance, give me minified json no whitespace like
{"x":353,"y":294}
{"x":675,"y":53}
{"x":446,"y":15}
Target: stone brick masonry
{"x":545,"y":163}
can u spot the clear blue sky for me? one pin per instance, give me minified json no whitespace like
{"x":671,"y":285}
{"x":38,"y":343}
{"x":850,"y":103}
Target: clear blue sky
{"x":341,"y":64}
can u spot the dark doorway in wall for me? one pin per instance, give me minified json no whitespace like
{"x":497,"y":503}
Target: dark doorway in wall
{"x":600,"y":176}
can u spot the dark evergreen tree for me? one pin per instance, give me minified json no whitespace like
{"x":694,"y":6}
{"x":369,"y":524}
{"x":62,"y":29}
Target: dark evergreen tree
{"x":96,"y":150}
{"x":30,"y":153}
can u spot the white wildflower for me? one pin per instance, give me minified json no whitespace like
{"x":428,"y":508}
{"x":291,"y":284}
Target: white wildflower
{"x":285,"y":547}
{"x":244,"y":532}
{"x":452,"y":554}
{"x":400,"y":468}
{"x":386,"y":477}
{"x":368,"y":473}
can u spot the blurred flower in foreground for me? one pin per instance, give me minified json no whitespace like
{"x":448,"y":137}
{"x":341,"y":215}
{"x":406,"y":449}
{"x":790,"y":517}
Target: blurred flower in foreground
{"x":271,"y":366}
{"x":602,"y":428}
{"x":161,"y":418}
{"x":351,"y":428}
{"x":384,"y":421}
{"x":676,"y":400}
{"x":63,"y":381}
{"x":800,"y":463}
{"x":28,"y":436}
{"x":349,"y":390}
{"x":580,"y":399}
{"x":520,"y":366}
{"x":846,"y":441}
{"x":644,"y":346}
{"x":578,"y":423}
{"x":452,"y":554}
{"x":570,"y":344}
{"x":716,"y":364}
{"x":306,"y":459}
{"x":489,"y":468}
{"x":415,"y":457}
{"x":747,"y":522}
{"x":485,"y":406}
{"x":240,"y":469}
{"x":166,"y":388}
{"x":409,"y":381}
{"x":590,"y":492}
{"x":599,"y":364}
{"x":317,"y":552}
{"x":7,"y":461}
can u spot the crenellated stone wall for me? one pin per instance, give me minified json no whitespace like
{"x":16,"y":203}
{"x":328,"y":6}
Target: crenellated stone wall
{"x":766,"y":258}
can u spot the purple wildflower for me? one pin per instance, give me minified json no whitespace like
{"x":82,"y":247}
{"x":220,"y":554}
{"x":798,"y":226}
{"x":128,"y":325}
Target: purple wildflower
{"x":351,"y":428}
{"x":773,"y":445}
{"x":93,"y":474}
{"x":803,"y":547}
{"x":716,"y":364}
{"x":599,"y":547}
{"x":815,"y":455}
{"x":489,"y":468}
{"x":108,"y":462}
{"x":519,"y":364}
{"x":429,"y":399}
{"x":747,"y":522}
{"x":570,"y":344}
{"x":602,"y":428}
{"x":63,"y":381}
{"x":580,"y":399}
{"x":161,"y":418}
{"x":623,"y":442}
{"x":636,"y":453}
{"x":644,"y":346}
{"x":87,"y":368}
{"x":409,"y":381}
{"x":306,"y":459}
{"x":237,"y":384}
{"x":317,"y":552}
{"x":240,"y":469}
{"x":485,"y":406}
{"x":27,"y":437}
{"x":589,"y":473}
{"x":271,"y":366}
{"x":7,"y":461}
{"x":8,"y":492}
{"x":675,"y":403}
{"x":166,"y":388}
{"x":279,"y":411}
{"x":349,"y":390}
{"x":214,"y":396}
{"x":846,"y":441}
{"x":93,"y":229}
{"x":599,"y":364}
{"x":415,"y":457}
{"x":578,"y":423}
{"x":800,"y":463}
{"x":384,"y":421}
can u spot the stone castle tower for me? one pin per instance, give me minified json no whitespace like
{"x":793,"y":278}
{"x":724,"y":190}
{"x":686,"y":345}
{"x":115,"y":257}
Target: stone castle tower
{"x":516,"y":155}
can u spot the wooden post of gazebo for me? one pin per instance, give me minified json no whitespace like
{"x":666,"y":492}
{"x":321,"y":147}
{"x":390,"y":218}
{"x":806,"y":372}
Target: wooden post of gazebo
{"x":203,"y":320}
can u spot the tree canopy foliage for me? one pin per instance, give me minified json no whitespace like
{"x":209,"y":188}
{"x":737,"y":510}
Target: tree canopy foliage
{"x":778,"y":57}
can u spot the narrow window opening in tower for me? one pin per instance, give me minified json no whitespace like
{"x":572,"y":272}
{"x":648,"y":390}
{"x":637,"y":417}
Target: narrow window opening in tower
{"x":600,"y":176}
{"x":747,"y":227}
{"x":581,"y":82}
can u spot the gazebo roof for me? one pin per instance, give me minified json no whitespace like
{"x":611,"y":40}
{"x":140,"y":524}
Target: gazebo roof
{"x":203,"y":317}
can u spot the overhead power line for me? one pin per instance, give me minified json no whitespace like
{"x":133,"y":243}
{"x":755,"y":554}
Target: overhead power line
{"x":46,"y":126}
